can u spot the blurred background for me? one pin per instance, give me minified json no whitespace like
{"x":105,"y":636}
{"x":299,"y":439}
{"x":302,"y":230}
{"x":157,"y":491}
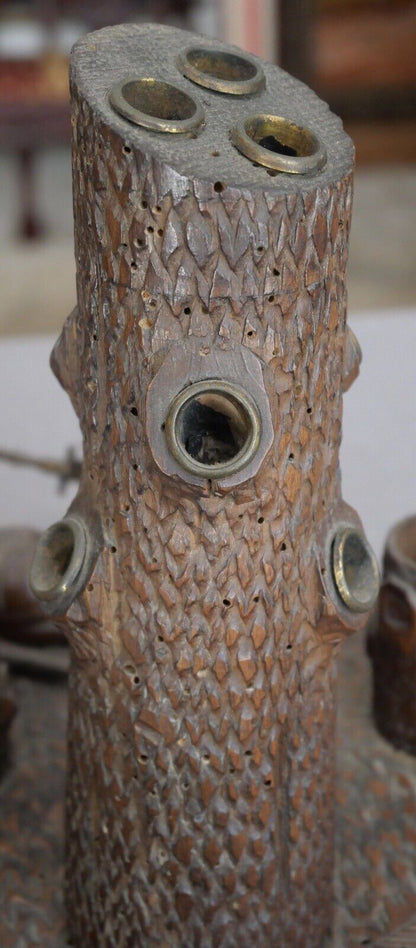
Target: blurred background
{"x":358,"y":54}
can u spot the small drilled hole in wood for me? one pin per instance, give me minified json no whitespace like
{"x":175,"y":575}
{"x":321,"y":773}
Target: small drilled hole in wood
{"x":126,"y":150}
{"x":218,"y":187}
{"x":134,"y":411}
{"x":283,"y":546}
{"x":226,"y":602}
{"x":187,"y":310}
{"x":260,"y":520}
{"x":276,"y":272}
{"x":143,"y":205}
{"x":271,"y":299}
{"x":260,"y":249}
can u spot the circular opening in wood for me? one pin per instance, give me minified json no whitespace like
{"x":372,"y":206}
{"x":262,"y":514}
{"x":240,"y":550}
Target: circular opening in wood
{"x":222,"y":71}
{"x":213,"y":428}
{"x":278,"y":143}
{"x":156,"y":105}
{"x":58,"y":559}
{"x":355,"y":569}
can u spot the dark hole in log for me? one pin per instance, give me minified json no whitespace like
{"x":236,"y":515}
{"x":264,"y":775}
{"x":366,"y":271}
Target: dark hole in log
{"x":273,"y":144}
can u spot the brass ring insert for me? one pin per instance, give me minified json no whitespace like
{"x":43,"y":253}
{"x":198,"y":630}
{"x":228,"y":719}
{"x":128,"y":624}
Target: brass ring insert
{"x":222,"y":71}
{"x":355,"y":569}
{"x":213,"y":428}
{"x":279,"y":144}
{"x":156,"y":105}
{"x":59,"y":558}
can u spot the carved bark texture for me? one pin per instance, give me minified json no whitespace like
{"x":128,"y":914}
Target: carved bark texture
{"x":201,"y":733}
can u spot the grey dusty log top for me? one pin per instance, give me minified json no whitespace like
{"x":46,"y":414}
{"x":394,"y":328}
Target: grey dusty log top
{"x":109,"y":56}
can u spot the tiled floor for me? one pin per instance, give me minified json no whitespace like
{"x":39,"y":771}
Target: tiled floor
{"x":38,"y":278}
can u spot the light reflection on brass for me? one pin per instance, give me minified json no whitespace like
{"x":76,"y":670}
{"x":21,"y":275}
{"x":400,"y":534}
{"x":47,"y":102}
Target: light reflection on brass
{"x":156,"y":105}
{"x":355,"y":569}
{"x":222,"y":71}
{"x":277,"y":143}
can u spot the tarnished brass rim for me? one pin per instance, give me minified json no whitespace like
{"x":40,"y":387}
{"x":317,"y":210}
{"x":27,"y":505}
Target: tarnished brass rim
{"x":310,"y":152}
{"x":234,"y":394}
{"x":47,"y":579}
{"x":162,"y":99}
{"x":355,"y":569}
{"x":247,"y":74}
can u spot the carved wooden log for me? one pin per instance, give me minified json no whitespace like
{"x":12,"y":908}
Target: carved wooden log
{"x":392,"y":640}
{"x":215,"y":565}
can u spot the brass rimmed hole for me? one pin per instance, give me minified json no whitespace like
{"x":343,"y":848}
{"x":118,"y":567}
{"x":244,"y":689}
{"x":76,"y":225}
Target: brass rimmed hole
{"x":213,"y":428}
{"x":222,"y":71}
{"x":355,"y":569}
{"x":58,"y":559}
{"x":156,"y":105}
{"x":275,"y":142}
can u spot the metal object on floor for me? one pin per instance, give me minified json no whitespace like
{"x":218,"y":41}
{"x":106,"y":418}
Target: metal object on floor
{"x":206,"y":363}
{"x":392,"y":640}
